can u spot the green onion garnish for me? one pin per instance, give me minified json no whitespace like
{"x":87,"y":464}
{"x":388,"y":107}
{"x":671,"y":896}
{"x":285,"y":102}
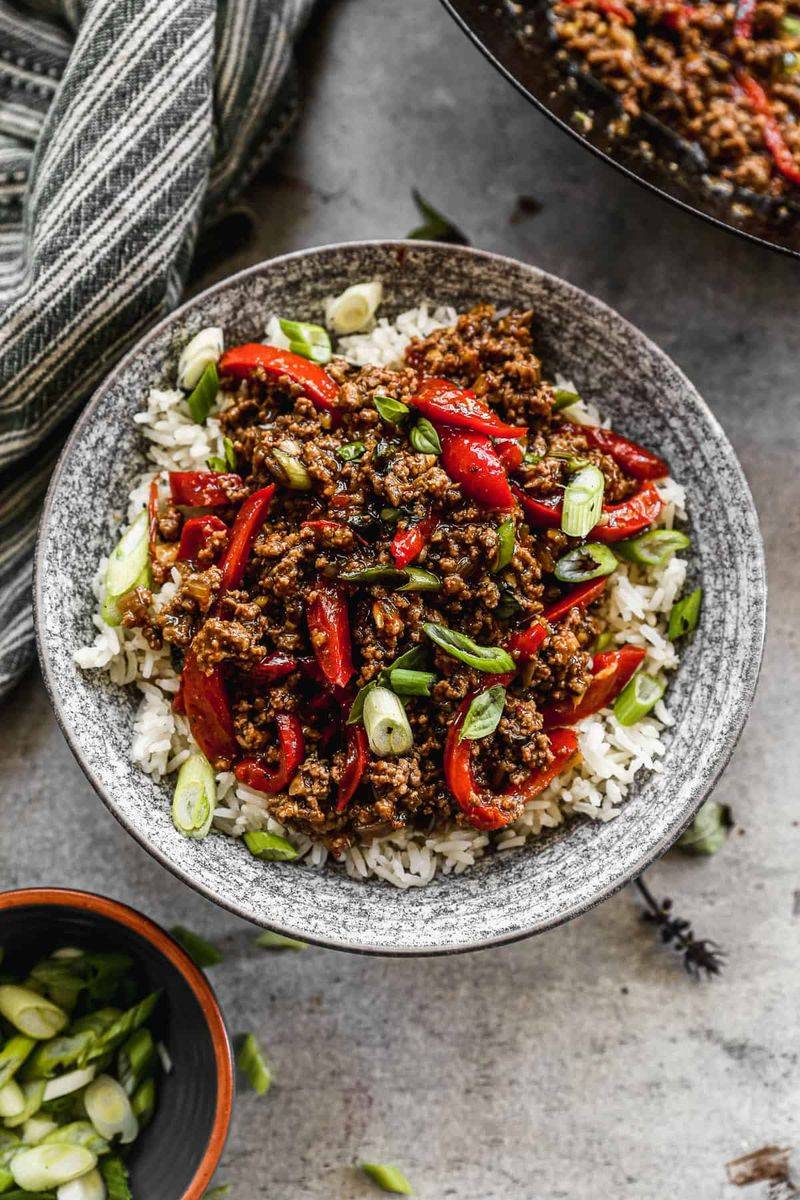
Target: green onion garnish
{"x":109,"y":1109}
{"x":636,"y":699}
{"x":201,"y":398}
{"x":115,"y":1177}
{"x":564,"y":398}
{"x":380,"y":573}
{"x":310,"y":341}
{"x":202,"y":953}
{"x":654,"y":548}
{"x":230,"y":453}
{"x":14,"y":1053}
{"x":136,"y":1059}
{"x":424,"y":438}
{"x":42,"y":1168}
{"x":30,"y":1013}
{"x":684,"y":615}
{"x":386,"y":723}
{"x":351,"y":451}
{"x":393,"y":411}
{"x":790,"y":27}
{"x":420,"y":580}
{"x":269,"y":940}
{"x":603,"y":641}
{"x":483,"y":715}
{"x":195,"y":796}
{"x":583,"y":501}
{"x":494,"y":660}
{"x":411,"y":683}
{"x":289,"y":469}
{"x":592,"y":561}
{"x":530,"y":459}
{"x":412,"y":660}
{"x":251,"y":1062}
{"x":388,"y":1179}
{"x":269,"y":847}
{"x":128,"y":568}
{"x":215,"y":463}
{"x":506,"y":544}
{"x":390,"y":515}
{"x":217,"y":1193}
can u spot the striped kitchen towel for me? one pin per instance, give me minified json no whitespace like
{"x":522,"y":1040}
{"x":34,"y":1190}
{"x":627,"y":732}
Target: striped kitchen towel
{"x":124,"y":126}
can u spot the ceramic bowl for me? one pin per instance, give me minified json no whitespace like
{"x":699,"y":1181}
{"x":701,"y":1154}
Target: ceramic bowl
{"x":506,"y":896}
{"x":175,"y":1157}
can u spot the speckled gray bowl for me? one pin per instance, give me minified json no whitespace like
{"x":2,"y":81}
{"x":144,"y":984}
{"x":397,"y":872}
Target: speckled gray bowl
{"x":510,"y":895}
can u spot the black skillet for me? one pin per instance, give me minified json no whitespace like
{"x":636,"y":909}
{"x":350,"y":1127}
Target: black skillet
{"x":519,"y":41}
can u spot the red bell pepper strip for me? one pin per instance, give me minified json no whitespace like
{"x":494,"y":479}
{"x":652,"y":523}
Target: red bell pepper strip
{"x":196,"y":533}
{"x":510,"y":453}
{"x":256,"y":774}
{"x":743,"y":18}
{"x":408,"y":544}
{"x":446,"y":403}
{"x":677,"y":18}
{"x":524,"y":644}
{"x":483,"y":809}
{"x":208,"y":711}
{"x":617,"y":522}
{"x":611,"y":670}
{"x":273,"y":667}
{"x":356,"y":759}
{"x":471,"y":461}
{"x":152,"y":517}
{"x":203,"y":489}
{"x":634,"y":459}
{"x":241,"y":361}
{"x":249,"y":520}
{"x":782,"y":156}
{"x":322,"y":525}
{"x":613,"y":8}
{"x":329,"y":626}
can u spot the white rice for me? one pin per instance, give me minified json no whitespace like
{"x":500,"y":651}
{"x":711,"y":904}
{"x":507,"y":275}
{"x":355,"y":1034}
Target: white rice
{"x":635,"y":611}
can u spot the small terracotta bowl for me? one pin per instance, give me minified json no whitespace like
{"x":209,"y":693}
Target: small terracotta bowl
{"x":176,"y":1155}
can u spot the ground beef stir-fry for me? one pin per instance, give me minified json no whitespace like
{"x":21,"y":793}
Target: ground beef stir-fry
{"x":368,"y":623}
{"x":724,"y":76}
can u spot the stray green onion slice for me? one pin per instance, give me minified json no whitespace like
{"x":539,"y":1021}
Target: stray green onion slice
{"x":204,"y":393}
{"x":424,"y":438}
{"x":215,"y":463}
{"x":251,"y":1062}
{"x":506,"y":544}
{"x":654,"y":548}
{"x":310,"y":341}
{"x":388,"y":1178}
{"x":583,"y":501}
{"x":684,"y":615}
{"x":592,"y":561}
{"x":202,"y":952}
{"x":269,"y":940}
{"x":709,"y":830}
{"x":483,"y":715}
{"x":393,"y":411}
{"x":564,"y":398}
{"x":411,"y":683}
{"x":195,"y":797}
{"x":128,"y":568}
{"x":492,"y":659}
{"x":350,"y":451}
{"x":217,"y":1193}
{"x":386,"y":723}
{"x":639,"y":695}
{"x":270,"y":847}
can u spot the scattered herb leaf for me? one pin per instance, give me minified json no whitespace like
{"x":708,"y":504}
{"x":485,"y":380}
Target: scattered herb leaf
{"x":435,"y":227}
{"x":393,"y":411}
{"x":424,"y":438}
{"x":484,"y":713}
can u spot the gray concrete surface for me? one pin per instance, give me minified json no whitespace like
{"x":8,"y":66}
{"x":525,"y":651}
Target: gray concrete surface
{"x":583,"y":1064}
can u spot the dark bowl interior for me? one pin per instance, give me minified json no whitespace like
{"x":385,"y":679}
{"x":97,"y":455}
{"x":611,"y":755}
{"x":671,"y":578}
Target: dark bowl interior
{"x":517,"y":39}
{"x":173,"y":1158}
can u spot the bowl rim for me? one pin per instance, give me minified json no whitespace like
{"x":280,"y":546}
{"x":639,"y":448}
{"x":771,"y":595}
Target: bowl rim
{"x":569,"y":912}
{"x":160,"y":940}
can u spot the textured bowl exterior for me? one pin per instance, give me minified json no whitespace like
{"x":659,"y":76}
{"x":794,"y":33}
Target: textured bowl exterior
{"x":506,"y":896}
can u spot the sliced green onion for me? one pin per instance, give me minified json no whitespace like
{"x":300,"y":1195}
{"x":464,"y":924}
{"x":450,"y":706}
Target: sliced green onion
{"x":484,"y":713}
{"x":34,"y":1098}
{"x":195,"y":797}
{"x":506,"y":544}
{"x":137,"y":1058}
{"x":790,"y":27}
{"x":115,"y":1177}
{"x":636,"y":699}
{"x":564,"y":398}
{"x":684,"y":615}
{"x":31,"y":1013}
{"x":64,"y":1085}
{"x":86,"y":1187}
{"x":49,"y":1166}
{"x":424,"y":438}
{"x":230,"y":453}
{"x":388,"y":1178}
{"x":411,"y":660}
{"x":654,"y":548}
{"x":583,"y":501}
{"x":420,"y":580}
{"x":128,"y":568}
{"x":269,"y":940}
{"x":78,"y":1133}
{"x":12,"y":1099}
{"x":122,"y":1026}
{"x":393,"y":411}
{"x":709,"y":830}
{"x":529,"y":459}
{"x":603,"y":641}
{"x":353,"y":310}
{"x":386,"y":723}
{"x":251,"y":1062}
{"x":508,"y":605}
{"x":411,"y":683}
{"x":109,"y":1109}
{"x":310,"y":341}
{"x":214,"y":463}
{"x":217,"y":1193}
{"x":592,"y":561}
{"x":381,"y":573}
{"x":58,"y":1052}
{"x":288,"y":468}
{"x":351,"y":450}
{"x":269,"y":847}
{"x":201,"y":398}
{"x":13,"y":1055}
{"x":390,"y":515}
{"x":143,"y":1102}
{"x":204,"y":348}
{"x":203,"y":953}
{"x":36,"y":1129}
{"x":492,"y":659}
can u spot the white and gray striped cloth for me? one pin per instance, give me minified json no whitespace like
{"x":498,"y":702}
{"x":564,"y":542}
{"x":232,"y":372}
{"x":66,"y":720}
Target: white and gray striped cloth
{"x":124,"y":125}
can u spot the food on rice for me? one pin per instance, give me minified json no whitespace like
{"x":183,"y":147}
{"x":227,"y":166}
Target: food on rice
{"x":397,"y":605}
